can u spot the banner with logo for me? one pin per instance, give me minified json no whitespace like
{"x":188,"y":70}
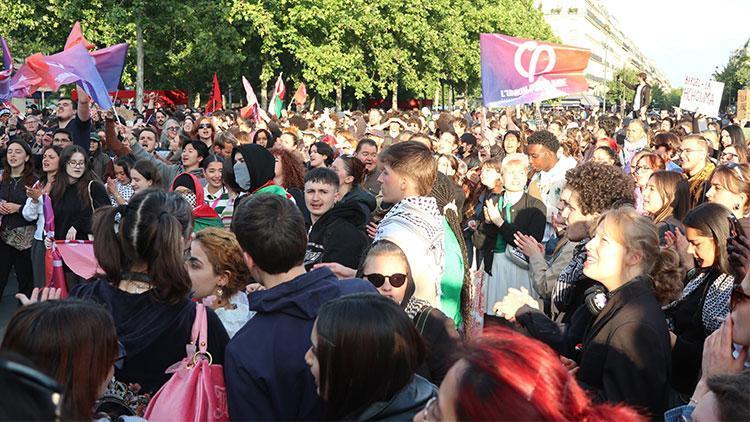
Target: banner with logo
{"x":518,"y":71}
{"x":701,"y":96}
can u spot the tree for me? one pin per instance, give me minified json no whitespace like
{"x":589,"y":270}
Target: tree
{"x":735,"y":75}
{"x":617,"y":92}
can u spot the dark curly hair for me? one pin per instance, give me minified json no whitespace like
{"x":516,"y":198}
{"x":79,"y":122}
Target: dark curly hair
{"x":544,"y":138}
{"x":600,"y":187}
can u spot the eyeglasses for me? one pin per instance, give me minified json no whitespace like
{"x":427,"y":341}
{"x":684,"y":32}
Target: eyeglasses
{"x":174,"y":128}
{"x":738,"y":296}
{"x":728,"y":155}
{"x":639,"y":169}
{"x":431,"y":411}
{"x":77,"y":163}
{"x":396,"y":280}
{"x":204,"y":126}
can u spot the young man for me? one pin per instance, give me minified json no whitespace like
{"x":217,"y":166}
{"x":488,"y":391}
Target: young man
{"x":334,"y":235}
{"x":696,"y":165}
{"x":414,"y":223}
{"x":549,"y":179}
{"x":642,"y":98}
{"x":264,"y":368}
{"x":367,"y":152}
{"x":76,"y":118}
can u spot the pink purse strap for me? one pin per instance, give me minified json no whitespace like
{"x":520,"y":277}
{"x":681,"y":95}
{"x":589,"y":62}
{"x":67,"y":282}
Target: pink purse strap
{"x":200,"y":329}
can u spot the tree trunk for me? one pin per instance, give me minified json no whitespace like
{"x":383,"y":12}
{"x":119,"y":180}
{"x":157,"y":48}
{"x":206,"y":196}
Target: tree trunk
{"x":263,"y":90}
{"x":139,"y":65}
{"x":437,"y":97}
{"x":394,"y":97}
{"x":339,"y":95}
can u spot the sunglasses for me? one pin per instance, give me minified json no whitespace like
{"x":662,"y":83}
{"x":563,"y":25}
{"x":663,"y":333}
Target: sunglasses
{"x":738,"y":296}
{"x":204,"y":126}
{"x":396,"y":280}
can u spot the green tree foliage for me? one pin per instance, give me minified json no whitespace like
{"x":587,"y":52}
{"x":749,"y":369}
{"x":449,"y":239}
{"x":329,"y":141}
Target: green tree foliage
{"x":735,"y":75}
{"x":617,"y":91}
{"x":362,"y":47}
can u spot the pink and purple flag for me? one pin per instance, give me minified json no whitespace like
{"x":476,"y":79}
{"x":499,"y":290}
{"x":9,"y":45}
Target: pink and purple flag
{"x":6,"y":72}
{"x":518,"y":71}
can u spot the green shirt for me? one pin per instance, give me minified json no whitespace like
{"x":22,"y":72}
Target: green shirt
{"x":453,"y":276}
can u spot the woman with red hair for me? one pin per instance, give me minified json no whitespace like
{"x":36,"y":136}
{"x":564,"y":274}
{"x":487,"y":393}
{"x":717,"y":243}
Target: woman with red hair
{"x":507,"y":376}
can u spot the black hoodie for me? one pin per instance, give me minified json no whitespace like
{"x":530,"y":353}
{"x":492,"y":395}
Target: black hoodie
{"x":338,"y":236}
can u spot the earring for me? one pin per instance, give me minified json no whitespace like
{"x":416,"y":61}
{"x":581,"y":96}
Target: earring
{"x":219,"y":292}
{"x":736,"y":207}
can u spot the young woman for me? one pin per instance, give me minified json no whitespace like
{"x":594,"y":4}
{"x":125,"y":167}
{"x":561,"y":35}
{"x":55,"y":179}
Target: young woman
{"x":732,"y":135}
{"x":643,"y":166}
{"x":367,"y":386}
{"x":253,"y":167}
{"x":74,"y":342}
{"x":704,"y":302}
{"x":506,"y":211}
{"x":730,"y":187}
{"x":623,"y":355}
{"x":190,"y":188}
{"x":666,"y":199}
{"x":351,"y":173}
{"x":34,"y":209}
{"x":16,"y":232}
{"x":204,"y":131}
{"x":264,"y":138}
{"x":321,"y":155}
{"x":219,"y":276}
{"x":216,"y":194}
{"x":120,"y":189}
{"x":734,"y":154}
{"x":193,"y":154}
{"x":512,"y":143}
{"x":75,"y":195}
{"x":506,"y":376}
{"x":143,"y":175}
{"x":145,"y":287}
{"x":605,"y":155}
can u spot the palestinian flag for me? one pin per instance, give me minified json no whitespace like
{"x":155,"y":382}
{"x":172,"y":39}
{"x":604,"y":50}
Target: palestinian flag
{"x":277,"y":101}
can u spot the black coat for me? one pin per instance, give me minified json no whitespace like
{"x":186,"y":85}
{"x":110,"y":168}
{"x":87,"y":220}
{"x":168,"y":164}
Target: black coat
{"x":441,"y":343}
{"x":528,"y":215}
{"x":626,"y":352}
{"x":365,"y":200}
{"x":338,"y":236}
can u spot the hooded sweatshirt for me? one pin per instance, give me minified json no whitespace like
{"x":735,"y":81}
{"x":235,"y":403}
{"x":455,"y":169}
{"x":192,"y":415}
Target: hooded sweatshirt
{"x":203,"y":215}
{"x":416,"y":226}
{"x":338,"y":236}
{"x":260,"y":164}
{"x":265,"y":371}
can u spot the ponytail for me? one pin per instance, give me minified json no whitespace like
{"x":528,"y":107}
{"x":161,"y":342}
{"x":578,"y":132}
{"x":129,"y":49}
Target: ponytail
{"x":166,"y":261}
{"x":107,"y":247}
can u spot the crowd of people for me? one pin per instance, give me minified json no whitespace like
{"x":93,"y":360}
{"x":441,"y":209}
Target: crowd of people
{"x":532,"y":263}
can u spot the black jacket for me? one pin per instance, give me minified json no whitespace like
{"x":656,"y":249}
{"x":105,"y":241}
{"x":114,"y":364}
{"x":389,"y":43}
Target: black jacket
{"x":626,"y":352}
{"x":338,"y":236}
{"x":364,"y":199}
{"x":528,"y":215}
{"x":70,"y":211}
{"x":441,"y":343}
{"x":645,"y":93}
{"x":403,"y":406}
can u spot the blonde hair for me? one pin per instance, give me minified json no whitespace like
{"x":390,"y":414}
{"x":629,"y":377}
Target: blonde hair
{"x":516,"y":158}
{"x":639,"y":234}
{"x":735,"y":178}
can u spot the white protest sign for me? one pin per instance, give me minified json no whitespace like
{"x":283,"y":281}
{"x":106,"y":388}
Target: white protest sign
{"x":701,"y":96}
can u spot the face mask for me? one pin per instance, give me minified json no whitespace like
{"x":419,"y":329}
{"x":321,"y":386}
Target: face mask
{"x":190,"y":197}
{"x":242,"y":176}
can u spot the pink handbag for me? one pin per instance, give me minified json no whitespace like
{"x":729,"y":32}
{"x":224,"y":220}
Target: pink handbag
{"x":196,"y":391}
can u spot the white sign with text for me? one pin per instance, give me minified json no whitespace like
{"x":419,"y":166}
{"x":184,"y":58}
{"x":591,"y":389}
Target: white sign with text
{"x":701,"y":96}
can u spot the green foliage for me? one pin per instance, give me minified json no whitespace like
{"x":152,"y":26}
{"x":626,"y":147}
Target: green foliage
{"x":617,"y":91}
{"x":365,"y":47}
{"x":735,"y":75}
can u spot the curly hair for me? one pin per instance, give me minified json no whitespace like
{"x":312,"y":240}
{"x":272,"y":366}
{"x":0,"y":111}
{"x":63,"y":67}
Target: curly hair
{"x":224,"y":253}
{"x":600,"y":187}
{"x":292,"y":168}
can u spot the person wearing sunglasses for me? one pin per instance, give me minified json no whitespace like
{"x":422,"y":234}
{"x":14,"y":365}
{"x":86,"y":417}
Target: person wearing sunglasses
{"x":204,"y":131}
{"x":387,"y":268}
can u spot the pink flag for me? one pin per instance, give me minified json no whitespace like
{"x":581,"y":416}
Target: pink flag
{"x":78,"y":255}
{"x":76,"y":37}
{"x":53,"y":264}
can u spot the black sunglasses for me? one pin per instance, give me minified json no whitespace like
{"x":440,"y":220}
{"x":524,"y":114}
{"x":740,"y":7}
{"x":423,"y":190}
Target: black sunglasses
{"x":204,"y":126}
{"x":396,"y":280}
{"x":738,"y":296}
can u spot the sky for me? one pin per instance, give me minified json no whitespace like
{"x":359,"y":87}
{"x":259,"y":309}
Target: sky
{"x":688,"y":36}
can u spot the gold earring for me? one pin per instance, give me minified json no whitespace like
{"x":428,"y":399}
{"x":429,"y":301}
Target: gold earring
{"x":219,"y":292}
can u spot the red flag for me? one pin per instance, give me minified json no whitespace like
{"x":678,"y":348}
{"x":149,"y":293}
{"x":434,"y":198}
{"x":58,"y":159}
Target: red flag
{"x":215,"y":102}
{"x":301,"y":95}
{"x":76,"y":37}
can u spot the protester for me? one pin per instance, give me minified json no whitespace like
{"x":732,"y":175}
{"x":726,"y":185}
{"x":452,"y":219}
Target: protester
{"x":75,"y":119}
{"x":697,"y":166}
{"x":219,"y":276}
{"x":16,"y":230}
{"x":504,"y":375}
{"x":321,"y":155}
{"x":264,"y":138}
{"x":605,"y":155}
{"x":189,"y":187}
{"x":253,"y":168}
{"x":367,"y":152}
{"x":351,"y":173}
{"x":704,"y":302}
{"x":120,"y":189}
{"x":216,"y":194}
{"x":624,"y":353}
{"x":666,"y":200}
{"x":72,"y":341}
{"x":337,"y":232}
{"x":386,"y":267}
{"x":204,"y":131}
{"x":33,"y":210}
{"x":644,"y":164}
{"x":273,"y":381}
{"x":505,"y":214}
{"x":143,"y":175}
{"x":414,"y":223}
{"x":145,"y":287}
{"x":367,"y":386}
{"x":730,"y":187}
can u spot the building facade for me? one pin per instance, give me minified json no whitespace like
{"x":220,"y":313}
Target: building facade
{"x":587,"y":24}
